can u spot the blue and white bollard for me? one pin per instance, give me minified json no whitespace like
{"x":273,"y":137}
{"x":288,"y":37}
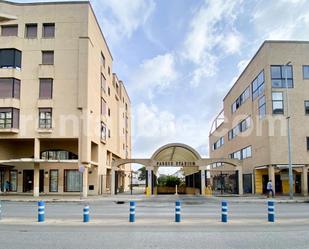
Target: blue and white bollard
{"x":271,"y":211}
{"x":224,"y":211}
{"x":132,"y":211}
{"x":177,"y":211}
{"x":86,"y":213}
{"x":41,"y":211}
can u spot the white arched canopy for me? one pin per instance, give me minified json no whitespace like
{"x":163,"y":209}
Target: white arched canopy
{"x":176,"y":152}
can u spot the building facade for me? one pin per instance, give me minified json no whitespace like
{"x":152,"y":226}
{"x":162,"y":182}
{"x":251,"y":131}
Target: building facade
{"x":62,"y":109}
{"x":253,"y":123}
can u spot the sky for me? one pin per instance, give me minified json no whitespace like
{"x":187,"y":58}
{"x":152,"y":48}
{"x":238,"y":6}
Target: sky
{"x":178,"y":58}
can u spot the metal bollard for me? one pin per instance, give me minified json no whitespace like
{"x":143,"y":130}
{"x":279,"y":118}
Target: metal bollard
{"x":132,"y":211}
{"x":271,"y":211}
{"x":177,"y":211}
{"x":224,"y":211}
{"x":86,"y":213}
{"x":41,"y":211}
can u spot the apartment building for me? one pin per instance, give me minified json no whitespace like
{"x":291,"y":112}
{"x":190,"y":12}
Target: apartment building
{"x":64,"y":115}
{"x":253,"y":123}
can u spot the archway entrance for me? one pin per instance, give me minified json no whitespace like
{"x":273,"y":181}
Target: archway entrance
{"x":194,"y":167}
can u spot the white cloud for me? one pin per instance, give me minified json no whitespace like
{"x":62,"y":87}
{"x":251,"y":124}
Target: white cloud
{"x":206,"y":34}
{"x":282,"y":20}
{"x":157,"y":73}
{"x":153,"y":128}
{"x":126,"y":16}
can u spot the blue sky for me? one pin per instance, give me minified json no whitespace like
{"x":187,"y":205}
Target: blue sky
{"x":178,"y":58}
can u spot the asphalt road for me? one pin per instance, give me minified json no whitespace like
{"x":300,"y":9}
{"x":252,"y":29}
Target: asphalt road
{"x":154,"y":226}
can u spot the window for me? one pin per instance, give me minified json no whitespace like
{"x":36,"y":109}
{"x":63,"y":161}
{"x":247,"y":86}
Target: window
{"x":9,"y":30}
{"x":9,"y":118}
{"x":10,"y":58}
{"x":278,"y":75}
{"x":45,"y":118}
{"x":53,"y":180}
{"x":246,"y":152}
{"x":103,"y":83}
{"x":103,"y":131}
{"x":307,"y":107}
{"x":48,"y":30}
{"x":109,"y":133}
{"x":245,"y":124}
{"x":109,"y":112}
{"x":242,"y":154}
{"x":9,"y":88}
{"x":13,"y":180}
{"x":241,"y":99}
{"x":48,"y":57}
{"x":262,"y":107}
{"x":277,"y":99}
{"x":31,"y":31}
{"x":103,"y":107}
{"x":58,"y":155}
{"x":306,"y":72}
{"x":46,"y":88}
{"x":308,"y":143}
{"x":102,"y":59}
{"x":109,"y":71}
{"x":109,"y":91}
{"x":218,"y":143}
{"x":72,"y":180}
{"x":258,"y":85}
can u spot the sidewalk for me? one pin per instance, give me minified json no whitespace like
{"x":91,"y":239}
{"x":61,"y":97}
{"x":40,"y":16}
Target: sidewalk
{"x":160,"y":198}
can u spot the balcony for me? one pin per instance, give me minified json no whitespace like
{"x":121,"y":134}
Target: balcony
{"x":218,"y":121}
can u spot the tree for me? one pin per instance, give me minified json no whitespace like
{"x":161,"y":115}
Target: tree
{"x":142,"y":173}
{"x":169,"y":181}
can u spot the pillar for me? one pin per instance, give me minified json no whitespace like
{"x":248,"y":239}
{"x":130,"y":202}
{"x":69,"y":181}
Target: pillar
{"x":304,"y":181}
{"x":271,"y":176}
{"x":203,"y":182}
{"x":149,"y":181}
{"x":37,"y":149}
{"x":240,"y":182}
{"x":85,"y":182}
{"x":36,"y":180}
{"x":113,"y":181}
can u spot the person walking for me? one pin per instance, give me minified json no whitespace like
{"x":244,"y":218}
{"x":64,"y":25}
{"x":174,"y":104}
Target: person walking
{"x":270,"y":189}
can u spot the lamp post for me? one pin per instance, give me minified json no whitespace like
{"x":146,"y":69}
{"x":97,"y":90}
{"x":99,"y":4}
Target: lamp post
{"x":288,"y":131}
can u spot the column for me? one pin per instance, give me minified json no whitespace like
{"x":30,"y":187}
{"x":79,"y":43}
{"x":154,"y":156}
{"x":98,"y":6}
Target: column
{"x":36,"y":180}
{"x":271,"y":176}
{"x":240,"y":182}
{"x":37,"y":148}
{"x":149,"y":177}
{"x":113,"y":181}
{"x":203,"y":182}
{"x":304,"y":181}
{"x":85,"y":182}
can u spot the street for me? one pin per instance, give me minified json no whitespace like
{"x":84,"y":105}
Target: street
{"x":247,"y":226}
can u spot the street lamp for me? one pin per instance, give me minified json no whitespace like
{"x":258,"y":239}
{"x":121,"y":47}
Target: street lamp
{"x":289,"y":131}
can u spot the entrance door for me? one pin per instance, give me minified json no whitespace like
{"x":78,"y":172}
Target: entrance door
{"x":278,"y":184}
{"x":264,"y":183}
{"x":28,"y":180}
{"x":41,"y":180}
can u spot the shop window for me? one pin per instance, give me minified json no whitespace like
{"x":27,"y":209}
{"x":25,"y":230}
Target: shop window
{"x":72,"y":180}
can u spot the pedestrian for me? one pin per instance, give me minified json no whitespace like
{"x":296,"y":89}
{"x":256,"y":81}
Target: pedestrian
{"x":270,"y":189}
{"x":7,"y":186}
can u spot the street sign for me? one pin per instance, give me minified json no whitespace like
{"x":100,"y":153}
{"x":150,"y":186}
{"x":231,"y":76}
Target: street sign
{"x":81,"y":168}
